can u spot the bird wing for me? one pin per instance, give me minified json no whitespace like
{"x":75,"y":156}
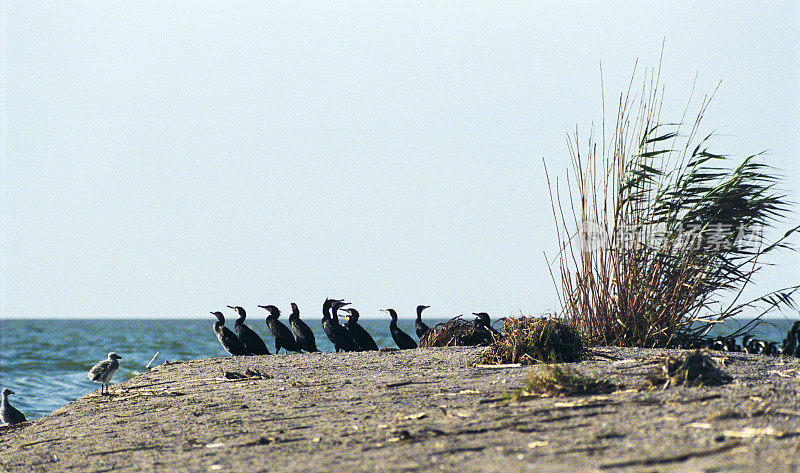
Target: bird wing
{"x":98,"y":370}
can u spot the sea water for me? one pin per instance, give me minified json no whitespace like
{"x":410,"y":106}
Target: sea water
{"x":45,"y":361}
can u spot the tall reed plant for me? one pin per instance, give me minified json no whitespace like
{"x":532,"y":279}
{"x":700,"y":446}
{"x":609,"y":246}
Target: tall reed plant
{"x":659,"y":236}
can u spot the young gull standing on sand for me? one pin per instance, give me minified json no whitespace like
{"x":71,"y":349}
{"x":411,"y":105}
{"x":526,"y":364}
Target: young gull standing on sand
{"x":104,"y":371}
{"x":8,"y":413}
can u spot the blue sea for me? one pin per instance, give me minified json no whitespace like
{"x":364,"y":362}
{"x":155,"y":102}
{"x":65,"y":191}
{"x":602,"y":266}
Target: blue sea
{"x":45,"y":361}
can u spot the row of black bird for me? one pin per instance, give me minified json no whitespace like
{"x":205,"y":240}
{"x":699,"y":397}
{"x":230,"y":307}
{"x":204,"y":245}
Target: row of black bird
{"x":790,"y":345}
{"x":350,"y":336}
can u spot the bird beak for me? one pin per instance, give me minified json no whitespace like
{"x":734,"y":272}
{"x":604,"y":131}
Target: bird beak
{"x":262,"y":307}
{"x":231,"y":307}
{"x":212,"y":313}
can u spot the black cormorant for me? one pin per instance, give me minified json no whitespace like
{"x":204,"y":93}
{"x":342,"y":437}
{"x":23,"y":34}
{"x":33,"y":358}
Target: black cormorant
{"x":103,"y":372}
{"x":402,"y":339}
{"x":790,"y":343}
{"x":327,"y":321}
{"x":230,"y":342}
{"x":419,"y":325}
{"x":283,"y":336}
{"x":343,"y":338}
{"x":250,"y":339}
{"x":747,"y":344}
{"x":8,"y":413}
{"x":361,"y":336}
{"x":483,"y":321}
{"x":302,"y":332}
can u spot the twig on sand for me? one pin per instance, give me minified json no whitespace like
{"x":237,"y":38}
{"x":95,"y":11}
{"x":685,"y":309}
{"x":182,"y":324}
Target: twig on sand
{"x":128,"y":449}
{"x":657,"y":460}
{"x":152,"y":360}
{"x":41,"y":441}
{"x":404,"y":383}
{"x":786,"y":412}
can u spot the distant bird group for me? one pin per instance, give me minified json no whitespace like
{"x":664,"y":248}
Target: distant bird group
{"x":789,"y":347}
{"x":350,"y":336}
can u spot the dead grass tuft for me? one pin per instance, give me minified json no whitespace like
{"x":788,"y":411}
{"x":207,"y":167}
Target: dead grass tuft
{"x":530,"y":340}
{"x":456,"y":332}
{"x":694,"y":368}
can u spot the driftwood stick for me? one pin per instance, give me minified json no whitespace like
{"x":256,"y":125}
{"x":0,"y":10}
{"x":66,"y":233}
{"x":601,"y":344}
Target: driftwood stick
{"x":152,"y":360}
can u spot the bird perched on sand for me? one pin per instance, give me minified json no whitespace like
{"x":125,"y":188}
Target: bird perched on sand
{"x":104,"y":371}
{"x":484,"y":322}
{"x":283,"y":336}
{"x":402,"y":339}
{"x":341,"y":338}
{"x":419,"y":325}
{"x":302,"y":332}
{"x":790,"y":342}
{"x":249,"y":338}
{"x":9,"y":414}
{"x":360,"y":335}
{"x":344,"y":337}
{"x":230,"y":342}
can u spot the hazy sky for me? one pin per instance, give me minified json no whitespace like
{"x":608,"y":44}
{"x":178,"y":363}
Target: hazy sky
{"x":168,"y":160}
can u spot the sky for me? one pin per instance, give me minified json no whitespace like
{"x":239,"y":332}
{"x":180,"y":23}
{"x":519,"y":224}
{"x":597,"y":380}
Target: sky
{"x":166,"y":159}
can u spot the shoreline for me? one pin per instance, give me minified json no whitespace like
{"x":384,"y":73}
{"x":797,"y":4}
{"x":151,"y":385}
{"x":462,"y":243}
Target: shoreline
{"x":415,"y":410}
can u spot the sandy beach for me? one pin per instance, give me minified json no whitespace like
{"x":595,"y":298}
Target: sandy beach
{"x":416,"y":410}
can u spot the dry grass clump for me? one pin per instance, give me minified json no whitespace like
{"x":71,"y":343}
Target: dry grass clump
{"x":456,"y":332}
{"x":560,"y":380}
{"x":530,"y":340}
{"x":693,"y":368}
{"x":657,"y":232}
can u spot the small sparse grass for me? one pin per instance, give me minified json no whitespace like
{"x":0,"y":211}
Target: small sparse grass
{"x":530,"y":340}
{"x":561,"y":380}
